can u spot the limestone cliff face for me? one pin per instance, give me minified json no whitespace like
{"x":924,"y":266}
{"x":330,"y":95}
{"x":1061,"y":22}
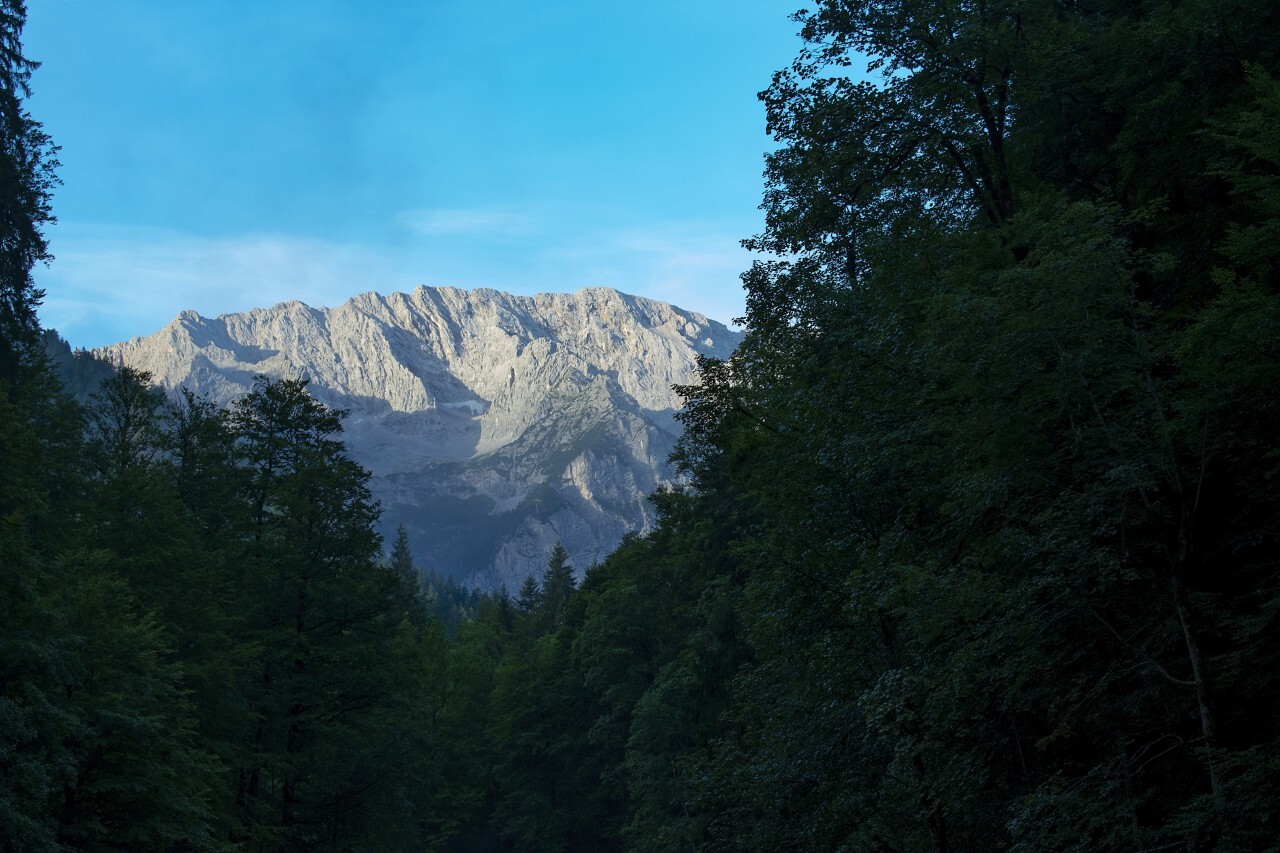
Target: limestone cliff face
{"x":493,"y":424}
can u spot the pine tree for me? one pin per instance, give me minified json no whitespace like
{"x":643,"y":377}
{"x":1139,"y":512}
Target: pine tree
{"x":411,"y":591}
{"x":27,"y":180}
{"x":558,"y":584}
{"x":529,"y":595}
{"x":402,"y":557}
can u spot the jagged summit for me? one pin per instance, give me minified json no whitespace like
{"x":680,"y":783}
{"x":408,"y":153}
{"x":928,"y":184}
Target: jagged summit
{"x":494,"y":424}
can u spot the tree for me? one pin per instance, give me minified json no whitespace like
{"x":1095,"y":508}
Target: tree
{"x":97,"y":705}
{"x":327,"y":622}
{"x":140,"y":777}
{"x":27,"y":178}
{"x":205,"y":468}
{"x":402,"y":557}
{"x":974,"y":410}
{"x":409,"y":577}
{"x":125,"y":422}
{"x":558,"y":585}
{"x":527,"y":598}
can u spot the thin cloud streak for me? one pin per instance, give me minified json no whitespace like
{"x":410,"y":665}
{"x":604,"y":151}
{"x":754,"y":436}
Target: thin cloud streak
{"x":110,"y":284}
{"x":470,"y":221}
{"x":692,"y":265}
{"x":107,"y":284}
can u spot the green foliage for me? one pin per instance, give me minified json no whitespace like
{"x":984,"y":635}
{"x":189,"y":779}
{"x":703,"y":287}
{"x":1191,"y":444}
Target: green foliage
{"x":994,"y":474}
{"x":982,"y":520}
{"x":558,"y":584}
{"x":323,"y":618}
{"x":27,"y":179}
{"x":448,"y":602}
{"x":527,"y":598}
{"x":230,"y":662}
{"x":977,"y":549}
{"x":140,"y":778}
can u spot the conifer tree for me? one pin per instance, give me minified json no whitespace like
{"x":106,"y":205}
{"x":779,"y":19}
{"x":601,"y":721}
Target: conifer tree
{"x":558,"y":584}
{"x":527,"y":598}
{"x":409,"y":577}
{"x":402,"y":557}
{"x":27,"y":179}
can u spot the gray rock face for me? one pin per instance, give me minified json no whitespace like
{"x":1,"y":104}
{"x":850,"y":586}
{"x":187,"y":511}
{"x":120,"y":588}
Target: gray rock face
{"x":493,"y":424}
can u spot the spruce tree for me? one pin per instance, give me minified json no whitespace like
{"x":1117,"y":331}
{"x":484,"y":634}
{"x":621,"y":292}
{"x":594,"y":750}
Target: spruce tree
{"x":27,"y":179}
{"x":409,"y":576}
{"x":527,"y":598}
{"x":558,"y":584}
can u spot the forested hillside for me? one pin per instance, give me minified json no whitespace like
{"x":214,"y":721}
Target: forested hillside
{"x":980,"y":548}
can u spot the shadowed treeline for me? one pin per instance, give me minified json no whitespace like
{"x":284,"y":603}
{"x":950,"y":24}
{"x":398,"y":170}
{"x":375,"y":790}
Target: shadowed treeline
{"x":979,"y":548}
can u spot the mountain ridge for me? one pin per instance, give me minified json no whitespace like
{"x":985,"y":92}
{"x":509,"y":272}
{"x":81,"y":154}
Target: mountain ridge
{"x":494,"y":424}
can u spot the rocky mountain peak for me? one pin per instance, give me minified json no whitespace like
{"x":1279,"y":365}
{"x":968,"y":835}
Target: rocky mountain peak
{"x":494,"y":424}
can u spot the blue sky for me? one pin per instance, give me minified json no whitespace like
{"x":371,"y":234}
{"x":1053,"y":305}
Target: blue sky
{"x":227,"y":155}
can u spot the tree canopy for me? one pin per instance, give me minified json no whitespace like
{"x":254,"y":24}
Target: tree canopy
{"x":976,"y":546}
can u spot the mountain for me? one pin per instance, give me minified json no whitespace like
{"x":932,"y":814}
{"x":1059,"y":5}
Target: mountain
{"x":493,"y":424}
{"x":80,"y":373}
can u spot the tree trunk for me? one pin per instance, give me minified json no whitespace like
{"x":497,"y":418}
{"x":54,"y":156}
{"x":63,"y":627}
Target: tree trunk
{"x":1196,"y":657}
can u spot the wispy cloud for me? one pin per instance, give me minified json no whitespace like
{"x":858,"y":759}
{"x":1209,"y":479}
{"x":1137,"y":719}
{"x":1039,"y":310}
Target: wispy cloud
{"x":492,"y":222}
{"x":111,"y":283}
{"x":692,"y":265}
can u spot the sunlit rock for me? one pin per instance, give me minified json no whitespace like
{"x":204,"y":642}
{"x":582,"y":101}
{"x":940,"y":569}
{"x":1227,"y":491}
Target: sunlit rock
{"x":493,"y":424}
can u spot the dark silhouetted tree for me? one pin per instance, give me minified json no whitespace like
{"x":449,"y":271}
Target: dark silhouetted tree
{"x":27,"y":179}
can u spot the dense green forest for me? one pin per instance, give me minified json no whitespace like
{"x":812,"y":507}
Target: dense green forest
{"x":978,"y":547}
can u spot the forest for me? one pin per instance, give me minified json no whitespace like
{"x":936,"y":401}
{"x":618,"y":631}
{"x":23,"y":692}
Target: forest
{"x":977,"y":547}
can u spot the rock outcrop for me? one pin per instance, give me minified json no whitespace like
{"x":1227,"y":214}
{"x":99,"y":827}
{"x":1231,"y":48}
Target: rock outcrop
{"x":493,"y":424}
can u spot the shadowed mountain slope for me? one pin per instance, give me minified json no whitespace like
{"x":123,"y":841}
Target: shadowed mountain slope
{"x":494,"y":424}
